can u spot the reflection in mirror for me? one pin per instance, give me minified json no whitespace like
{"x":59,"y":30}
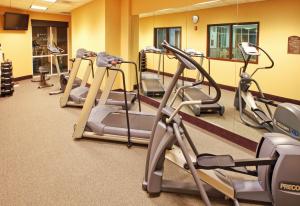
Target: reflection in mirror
{"x":219,"y":41}
{"x":247,"y":32}
{"x":215,"y":28}
{"x":265,"y":29}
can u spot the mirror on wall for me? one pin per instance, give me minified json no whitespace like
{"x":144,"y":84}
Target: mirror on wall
{"x":271,"y":66}
{"x":213,"y":30}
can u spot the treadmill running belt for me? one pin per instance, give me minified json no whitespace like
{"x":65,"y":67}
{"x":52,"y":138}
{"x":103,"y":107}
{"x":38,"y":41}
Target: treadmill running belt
{"x":106,"y":119}
{"x":136,"y":121}
{"x":196,"y":94}
{"x":79,"y":94}
{"x":153,"y":85}
{"x":119,"y":97}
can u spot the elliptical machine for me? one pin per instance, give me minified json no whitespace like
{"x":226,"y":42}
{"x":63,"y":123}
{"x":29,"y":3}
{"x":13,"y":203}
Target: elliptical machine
{"x":276,"y":172}
{"x":63,"y":79}
{"x":286,"y":118}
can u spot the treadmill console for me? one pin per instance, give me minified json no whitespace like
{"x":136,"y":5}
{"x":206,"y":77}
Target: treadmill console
{"x":55,"y":49}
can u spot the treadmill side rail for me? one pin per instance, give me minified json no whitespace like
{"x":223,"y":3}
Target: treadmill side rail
{"x":89,"y":103}
{"x":65,"y":97}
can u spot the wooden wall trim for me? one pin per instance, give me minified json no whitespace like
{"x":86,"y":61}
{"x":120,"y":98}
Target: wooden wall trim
{"x":22,"y":78}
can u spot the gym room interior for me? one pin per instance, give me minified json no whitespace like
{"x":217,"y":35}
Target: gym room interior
{"x":137,"y":102}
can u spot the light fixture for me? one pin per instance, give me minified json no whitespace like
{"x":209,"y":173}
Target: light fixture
{"x":51,"y":1}
{"x":164,"y":10}
{"x":195,"y":19}
{"x":36,"y":7}
{"x":206,"y":2}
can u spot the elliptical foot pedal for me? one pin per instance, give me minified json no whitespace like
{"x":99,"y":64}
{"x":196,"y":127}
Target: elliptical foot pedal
{"x":210,"y":161}
{"x":262,"y":116}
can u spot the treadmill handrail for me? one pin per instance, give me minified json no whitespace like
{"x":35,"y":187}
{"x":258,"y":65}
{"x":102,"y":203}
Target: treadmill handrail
{"x":182,"y":104}
{"x":177,"y":93}
{"x":137,"y":80}
{"x":202,"y":57}
{"x":182,"y":88}
{"x":159,"y":60}
{"x":180,"y":53}
{"x":91,"y":63}
{"x":125,"y":99}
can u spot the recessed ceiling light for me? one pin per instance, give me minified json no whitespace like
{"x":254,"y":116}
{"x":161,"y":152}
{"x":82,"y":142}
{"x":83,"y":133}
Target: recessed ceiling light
{"x":163,"y":10}
{"x":36,"y":7}
{"x":207,"y":2}
{"x":51,"y":1}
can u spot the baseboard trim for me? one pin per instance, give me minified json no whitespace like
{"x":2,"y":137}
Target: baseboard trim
{"x":232,"y":89}
{"x":212,"y":128}
{"x":22,"y":78}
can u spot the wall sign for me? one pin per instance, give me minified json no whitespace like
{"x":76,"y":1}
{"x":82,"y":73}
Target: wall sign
{"x":294,"y":45}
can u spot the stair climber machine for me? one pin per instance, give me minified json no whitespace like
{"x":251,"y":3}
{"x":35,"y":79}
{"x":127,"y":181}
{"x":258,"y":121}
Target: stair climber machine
{"x":194,"y":91}
{"x":63,"y":78}
{"x":150,"y":82}
{"x":273,"y":176}
{"x":286,"y":118}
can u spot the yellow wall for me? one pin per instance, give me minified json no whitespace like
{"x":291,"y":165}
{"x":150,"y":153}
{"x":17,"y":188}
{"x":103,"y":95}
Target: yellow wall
{"x":129,"y":41}
{"x":88,"y":26}
{"x":112,"y":26}
{"x":17,"y":45}
{"x":104,"y":25}
{"x":275,"y":28}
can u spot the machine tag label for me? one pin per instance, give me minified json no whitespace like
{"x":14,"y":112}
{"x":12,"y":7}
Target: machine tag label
{"x":292,"y":187}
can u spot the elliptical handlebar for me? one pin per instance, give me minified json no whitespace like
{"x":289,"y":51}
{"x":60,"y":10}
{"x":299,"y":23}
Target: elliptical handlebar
{"x":189,"y":62}
{"x":247,"y":59}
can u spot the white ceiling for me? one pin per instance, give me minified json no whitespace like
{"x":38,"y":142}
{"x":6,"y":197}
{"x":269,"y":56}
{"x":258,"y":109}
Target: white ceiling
{"x":207,"y":4}
{"x":66,"y":6}
{"x":60,"y":6}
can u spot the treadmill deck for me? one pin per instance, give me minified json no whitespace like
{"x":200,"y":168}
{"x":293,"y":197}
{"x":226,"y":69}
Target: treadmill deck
{"x":152,"y":87}
{"x":79,"y":94}
{"x":106,"y":119}
{"x":195,"y":93}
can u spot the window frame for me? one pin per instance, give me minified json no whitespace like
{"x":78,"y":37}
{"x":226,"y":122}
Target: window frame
{"x":167,"y":34}
{"x":230,"y":59}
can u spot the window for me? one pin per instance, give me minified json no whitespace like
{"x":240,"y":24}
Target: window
{"x":223,"y":40}
{"x":171,"y":35}
{"x":43,"y":34}
{"x":219,"y":42}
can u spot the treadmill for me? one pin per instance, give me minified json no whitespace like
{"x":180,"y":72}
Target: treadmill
{"x":76,"y":97}
{"x":150,"y":81}
{"x":109,"y":122}
{"x":63,"y":78}
{"x":194,"y":92}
